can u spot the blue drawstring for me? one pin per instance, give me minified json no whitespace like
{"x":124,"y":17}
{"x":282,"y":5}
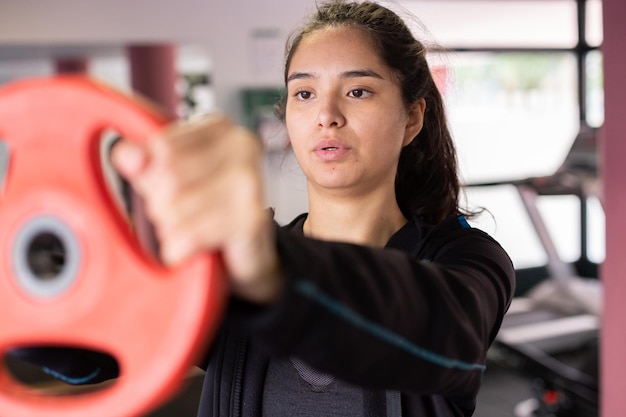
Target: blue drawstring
{"x":309,"y":290}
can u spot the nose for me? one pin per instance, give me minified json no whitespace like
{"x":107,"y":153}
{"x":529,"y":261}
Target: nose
{"x":330,"y":114}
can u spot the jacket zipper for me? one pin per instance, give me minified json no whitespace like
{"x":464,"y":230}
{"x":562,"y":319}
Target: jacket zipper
{"x":238,"y":378}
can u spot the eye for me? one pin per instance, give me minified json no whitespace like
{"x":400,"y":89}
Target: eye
{"x":303,"y":94}
{"x":359,"y":93}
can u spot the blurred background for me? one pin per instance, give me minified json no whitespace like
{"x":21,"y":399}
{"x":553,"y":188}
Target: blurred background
{"x":522,"y":80}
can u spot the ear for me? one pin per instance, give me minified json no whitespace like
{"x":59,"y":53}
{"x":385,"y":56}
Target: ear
{"x":415,"y":120}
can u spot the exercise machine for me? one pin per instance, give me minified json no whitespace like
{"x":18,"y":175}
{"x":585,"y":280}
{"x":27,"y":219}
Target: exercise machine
{"x":550,"y":333}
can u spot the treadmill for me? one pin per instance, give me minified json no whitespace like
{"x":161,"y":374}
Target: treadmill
{"x":550,"y":333}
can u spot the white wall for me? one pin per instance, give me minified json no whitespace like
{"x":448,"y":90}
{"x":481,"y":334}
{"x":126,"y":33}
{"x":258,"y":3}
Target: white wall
{"x":34,"y":32}
{"x":224,"y":27}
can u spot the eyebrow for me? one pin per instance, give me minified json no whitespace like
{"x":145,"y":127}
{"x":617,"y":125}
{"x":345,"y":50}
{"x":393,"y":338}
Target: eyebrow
{"x":346,"y":74}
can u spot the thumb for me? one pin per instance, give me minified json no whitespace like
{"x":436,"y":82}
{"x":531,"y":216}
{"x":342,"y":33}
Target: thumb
{"x":128,"y":158}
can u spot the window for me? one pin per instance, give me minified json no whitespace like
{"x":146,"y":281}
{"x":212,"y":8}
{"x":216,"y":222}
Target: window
{"x":519,"y":79}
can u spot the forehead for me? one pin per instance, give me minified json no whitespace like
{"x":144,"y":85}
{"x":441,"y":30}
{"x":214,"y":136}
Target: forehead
{"x":339,"y":46}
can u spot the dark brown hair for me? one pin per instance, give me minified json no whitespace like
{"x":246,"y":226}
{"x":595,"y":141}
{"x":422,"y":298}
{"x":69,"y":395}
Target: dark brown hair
{"x":427,"y":183}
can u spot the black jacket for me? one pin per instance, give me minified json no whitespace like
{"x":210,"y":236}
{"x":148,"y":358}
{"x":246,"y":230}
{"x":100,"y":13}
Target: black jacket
{"x":417,"y":317}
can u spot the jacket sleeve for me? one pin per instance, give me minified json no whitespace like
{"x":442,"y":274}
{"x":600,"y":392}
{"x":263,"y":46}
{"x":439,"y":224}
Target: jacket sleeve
{"x":383,"y":320}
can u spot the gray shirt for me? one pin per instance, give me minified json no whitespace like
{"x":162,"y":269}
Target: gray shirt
{"x":293,"y":389}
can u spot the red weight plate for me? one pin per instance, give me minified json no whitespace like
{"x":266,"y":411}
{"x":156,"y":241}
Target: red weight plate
{"x":154,"y":320}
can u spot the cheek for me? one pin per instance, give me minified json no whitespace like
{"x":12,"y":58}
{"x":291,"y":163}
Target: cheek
{"x":296,"y":138}
{"x":385,"y":132}
{"x":293,"y":120}
{"x":292,"y":131}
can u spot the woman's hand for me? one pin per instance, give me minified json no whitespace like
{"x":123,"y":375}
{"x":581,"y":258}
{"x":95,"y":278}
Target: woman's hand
{"x":203,"y":191}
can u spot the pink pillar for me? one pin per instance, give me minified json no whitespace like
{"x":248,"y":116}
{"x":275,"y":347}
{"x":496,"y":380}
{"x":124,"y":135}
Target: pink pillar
{"x":153,"y":75}
{"x":613,"y":272}
{"x":71,"y":65}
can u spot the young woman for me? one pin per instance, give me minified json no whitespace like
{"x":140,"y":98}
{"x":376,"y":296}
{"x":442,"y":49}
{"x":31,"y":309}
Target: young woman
{"x":381,"y":300}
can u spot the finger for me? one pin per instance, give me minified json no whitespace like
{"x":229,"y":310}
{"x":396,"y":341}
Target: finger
{"x":217,"y":196}
{"x":185,"y":171}
{"x":190,"y":136}
{"x":128,"y":158}
{"x":212,"y":219}
{"x":206,"y":233}
{"x":212,"y":232}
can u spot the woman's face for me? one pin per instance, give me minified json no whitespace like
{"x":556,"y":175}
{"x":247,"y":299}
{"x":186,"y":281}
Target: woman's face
{"x":345,"y":115}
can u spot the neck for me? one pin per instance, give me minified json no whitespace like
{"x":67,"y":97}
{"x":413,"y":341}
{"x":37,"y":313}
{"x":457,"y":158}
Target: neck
{"x":370,"y":220}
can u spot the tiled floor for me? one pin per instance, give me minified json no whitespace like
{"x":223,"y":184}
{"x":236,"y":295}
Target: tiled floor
{"x":501,"y":392}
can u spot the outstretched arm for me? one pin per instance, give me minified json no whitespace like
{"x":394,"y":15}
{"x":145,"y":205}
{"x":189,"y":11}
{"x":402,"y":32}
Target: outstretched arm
{"x":388,"y":320}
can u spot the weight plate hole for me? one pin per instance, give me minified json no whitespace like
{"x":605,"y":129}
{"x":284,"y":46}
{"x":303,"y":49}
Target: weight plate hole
{"x":46,"y":256}
{"x":61,"y":370}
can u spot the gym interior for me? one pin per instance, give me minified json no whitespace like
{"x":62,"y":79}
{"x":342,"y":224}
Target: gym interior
{"x":535,"y":97}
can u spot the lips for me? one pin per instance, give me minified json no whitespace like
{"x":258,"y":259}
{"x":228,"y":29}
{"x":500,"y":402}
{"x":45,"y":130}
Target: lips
{"x":330,"y":150}
{"x":329,"y":145}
